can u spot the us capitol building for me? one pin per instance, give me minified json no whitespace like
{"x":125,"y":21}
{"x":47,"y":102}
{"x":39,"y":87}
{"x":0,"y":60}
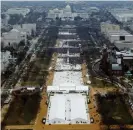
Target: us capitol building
{"x":65,"y":14}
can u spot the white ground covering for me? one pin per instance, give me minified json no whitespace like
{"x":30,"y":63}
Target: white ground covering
{"x":62,"y":43}
{"x":74,"y":77}
{"x":62,"y":65}
{"x":65,"y":109}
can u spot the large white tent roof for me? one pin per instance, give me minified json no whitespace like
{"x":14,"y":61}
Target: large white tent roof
{"x":66,"y":108}
{"x":57,"y":109}
{"x":78,"y":111}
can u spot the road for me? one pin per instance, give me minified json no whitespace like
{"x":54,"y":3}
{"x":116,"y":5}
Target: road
{"x":93,"y":40}
{"x":33,"y":43}
{"x":23,"y":63}
{"x":6,"y":88}
{"x":123,"y":85}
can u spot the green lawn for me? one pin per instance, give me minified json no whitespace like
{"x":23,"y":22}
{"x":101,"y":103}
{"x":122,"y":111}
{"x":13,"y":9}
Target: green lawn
{"x":114,"y":111}
{"x":37,"y":74}
{"x":96,"y":82}
{"x":30,"y":109}
{"x":23,"y":111}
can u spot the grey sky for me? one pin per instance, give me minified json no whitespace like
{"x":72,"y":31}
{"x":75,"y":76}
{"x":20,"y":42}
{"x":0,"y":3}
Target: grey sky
{"x":66,"y":0}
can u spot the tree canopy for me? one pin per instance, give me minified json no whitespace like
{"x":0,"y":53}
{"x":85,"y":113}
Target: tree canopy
{"x":15,"y":18}
{"x":77,"y":18}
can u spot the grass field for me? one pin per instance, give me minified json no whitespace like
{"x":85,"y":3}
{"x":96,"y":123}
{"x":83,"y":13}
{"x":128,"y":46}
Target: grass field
{"x":96,"y":82}
{"x":37,"y":74}
{"x":114,"y":110}
{"x":23,"y":111}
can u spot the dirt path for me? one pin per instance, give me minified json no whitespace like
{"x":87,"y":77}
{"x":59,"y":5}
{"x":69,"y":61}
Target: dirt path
{"x":68,"y":127}
{"x":84,"y":72}
{"x":42,"y":112}
{"x":71,"y":127}
{"x":92,"y":107}
{"x":18,"y":127}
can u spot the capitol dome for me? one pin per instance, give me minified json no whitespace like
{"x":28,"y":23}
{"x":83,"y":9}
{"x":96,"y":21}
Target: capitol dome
{"x":68,"y":8}
{"x":56,"y":9}
{"x":14,"y":30}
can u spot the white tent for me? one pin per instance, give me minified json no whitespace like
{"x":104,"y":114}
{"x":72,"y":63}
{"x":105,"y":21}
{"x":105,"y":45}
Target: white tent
{"x":67,"y":108}
{"x":56,"y":114}
{"x":78,"y":110}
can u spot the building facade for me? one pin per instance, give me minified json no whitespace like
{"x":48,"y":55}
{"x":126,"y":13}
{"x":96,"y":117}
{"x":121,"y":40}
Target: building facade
{"x":105,"y":27}
{"x":5,"y":57}
{"x":65,"y":14}
{"x":117,"y":63}
{"x":22,"y":11}
{"x":121,"y":38}
{"x":120,"y":35}
{"x":13,"y":37}
{"x":122,"y":15}
{"x":28,"y":28}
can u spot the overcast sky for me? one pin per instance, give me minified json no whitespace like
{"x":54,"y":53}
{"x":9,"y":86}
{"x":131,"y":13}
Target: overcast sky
{"x":66,"y":0}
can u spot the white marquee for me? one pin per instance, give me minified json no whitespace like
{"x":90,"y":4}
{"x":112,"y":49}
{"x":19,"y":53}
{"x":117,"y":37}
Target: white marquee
{"x":68,"y":109}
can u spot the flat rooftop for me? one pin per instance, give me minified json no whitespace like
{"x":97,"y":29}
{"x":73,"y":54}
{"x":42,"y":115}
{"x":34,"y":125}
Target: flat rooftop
{"x":119,"y":32}
{"x":65,"y":109}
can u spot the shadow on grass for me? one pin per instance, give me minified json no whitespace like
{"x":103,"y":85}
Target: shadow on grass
{"x":113,"y":109}
{"x":23,"y":110}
